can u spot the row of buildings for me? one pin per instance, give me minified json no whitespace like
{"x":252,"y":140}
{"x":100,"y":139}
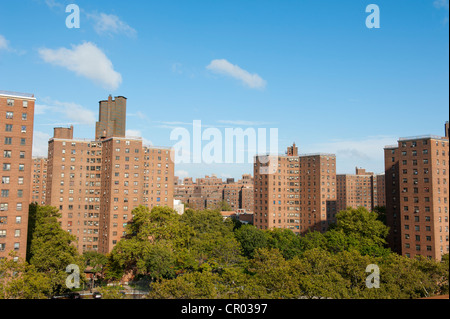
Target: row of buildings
{"x":302,"y":192}
{"x":96,"y":183}
{"x":211,"y":192}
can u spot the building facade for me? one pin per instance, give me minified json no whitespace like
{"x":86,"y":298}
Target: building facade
{"x":417,"y":189}
{"x":16,"y":140}
{"x":96,"y":184}
{"x":74,"y":185}
{"x":296,"y":192}
{"x":132,"y":175}
{"x":210,"y":191}
{"x":362,"y":189}
{"x":39,"y":181}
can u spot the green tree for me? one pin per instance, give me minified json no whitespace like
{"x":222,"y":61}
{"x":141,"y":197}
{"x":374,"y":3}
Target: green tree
{"x":224,"y":206}
{"x":95,"y":260}
{"x":285,"y":240}
{"x":250,"y":238}
{"x":155,"y":243}
{"x":32,"y":211}
{"x":212,"y":240}
{"x":316,"y":276}
{"x":381,"y":212}
{"x":363,"y":224}
{"x":273,"y":273}
{"x":19,"y":280}
{"x":193,"y":285}
{"x":111,"y":292}
{"x":159,"y":260}
{"x":52,"y":249}
{"x":358,"y":229}
{"x":311,"y":240}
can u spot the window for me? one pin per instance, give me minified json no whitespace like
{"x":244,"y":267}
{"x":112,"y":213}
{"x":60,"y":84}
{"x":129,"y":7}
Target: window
{"x":5,"y":180}
{"x":22,"y":141}
{"x":5,"y":193}
{"x":9,"y":115}
{"x":24,"y":116}
{"x":8,"y":140}
{"x":8,"y":128}
{"x":7,"y":154}
{"x":10,"y":102}
{"x":24,"y":129}
{"x":21,"y":167}
{"x":25,"y":104}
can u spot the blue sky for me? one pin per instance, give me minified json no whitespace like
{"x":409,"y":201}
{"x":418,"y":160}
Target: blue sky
{"x":311,"y":69}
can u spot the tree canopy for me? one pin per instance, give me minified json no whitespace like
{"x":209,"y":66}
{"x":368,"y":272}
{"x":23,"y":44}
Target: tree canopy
{"x":202,"y":255}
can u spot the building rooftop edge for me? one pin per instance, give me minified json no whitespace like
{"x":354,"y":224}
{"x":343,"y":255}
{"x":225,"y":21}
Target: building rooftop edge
{"x":419,"y":137}
{"x":17,"y":94}
{"x":300,"y":155}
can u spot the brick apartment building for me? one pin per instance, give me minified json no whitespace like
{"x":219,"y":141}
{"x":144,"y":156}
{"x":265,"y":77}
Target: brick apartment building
{"x":296,"y":192}
{"x":39,"y":181}
{"x":362,"y":189}
{"x":97,"y":183}
{"x":417,"y":190}
{"x":132,"y":175}
{"x":16,"y":140}
{"x":209,"y":192}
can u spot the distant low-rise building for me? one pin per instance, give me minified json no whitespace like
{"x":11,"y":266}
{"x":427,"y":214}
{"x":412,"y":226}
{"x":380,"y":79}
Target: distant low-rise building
{"x":362,"y":189}
{"x":211,"y":192}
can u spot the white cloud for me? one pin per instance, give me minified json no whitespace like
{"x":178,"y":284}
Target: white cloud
{"x":182,"y":174}
{"x":177,"y":68}
{"x":4,"y":44}
{"x":225,"y":175}
{"x":109,"y":24}
{"x":53,"y":4}
{"x":224,"y":67}
{"x":243,"y":123}
{"x":139,"y":114}
{"x":75,"y":113}
{"x":40,"y":109}
{"x":40,"y":143}
{"x":137,"y":133}
{"x":367,"y":152}
{"x":85,"y":60}
{"x":133,"y":133}
{"x":441,"y":4}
